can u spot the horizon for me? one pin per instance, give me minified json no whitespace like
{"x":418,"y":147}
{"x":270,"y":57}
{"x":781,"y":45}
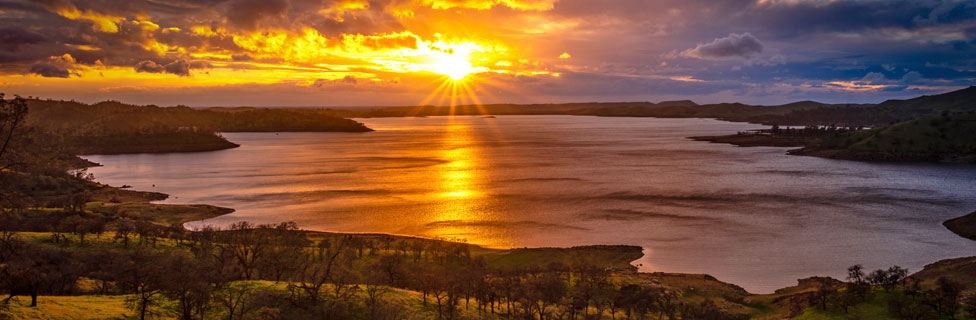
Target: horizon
{"x":355,"y":53}
{"x":340,"y":107}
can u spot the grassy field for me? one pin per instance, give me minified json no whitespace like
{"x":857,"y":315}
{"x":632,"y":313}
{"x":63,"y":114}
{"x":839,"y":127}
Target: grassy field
{"x":874,"y":308}
{"x":67,"y":308}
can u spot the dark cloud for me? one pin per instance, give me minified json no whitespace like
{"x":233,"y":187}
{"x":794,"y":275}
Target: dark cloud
{"x":743,"y":45}
{"x":11,"y":39}
{"x":178,"y":67}
{"x":247,"y":13}
{"x":49,"y":70}
{"x":149,"y":67}
{"x":200,"y":65}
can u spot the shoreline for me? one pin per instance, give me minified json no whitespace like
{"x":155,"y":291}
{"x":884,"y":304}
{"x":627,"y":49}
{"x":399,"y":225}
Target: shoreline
{"x":202,"y":213}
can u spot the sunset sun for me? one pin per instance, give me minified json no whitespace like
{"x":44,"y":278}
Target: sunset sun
{"x":454,"y":64}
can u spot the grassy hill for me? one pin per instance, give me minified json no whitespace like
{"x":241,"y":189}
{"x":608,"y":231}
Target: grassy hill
{"x":889,"y":112}
{"x":946,"y":138}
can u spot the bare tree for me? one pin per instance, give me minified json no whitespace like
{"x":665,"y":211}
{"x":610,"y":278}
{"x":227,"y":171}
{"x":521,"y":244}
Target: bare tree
{"x":12,"y":115}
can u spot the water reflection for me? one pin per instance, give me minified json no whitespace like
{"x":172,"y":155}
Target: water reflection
{"x":459,"y":181}
{"x":738,"y":214}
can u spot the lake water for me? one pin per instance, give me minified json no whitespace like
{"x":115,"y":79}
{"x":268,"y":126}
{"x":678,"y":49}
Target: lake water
{"x":751,"y":216}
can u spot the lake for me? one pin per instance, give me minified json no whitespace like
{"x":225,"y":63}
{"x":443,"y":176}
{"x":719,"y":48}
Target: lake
{"x":755,"y":217}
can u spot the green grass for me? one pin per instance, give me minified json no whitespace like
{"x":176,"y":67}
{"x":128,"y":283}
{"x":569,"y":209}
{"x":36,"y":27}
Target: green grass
{"x":107,"y":239}
{"x":66,"y":307}
{"x":113,"y":307}
{"x":954,"y":134}
{"x":875,"y":307}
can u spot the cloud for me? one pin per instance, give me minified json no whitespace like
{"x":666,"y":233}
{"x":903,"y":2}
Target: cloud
{"x":241,"y":57}
{"x":178,"y":67}
{"x":49,"y":70}
{"x":149,"y":67}
{"x":874,"y":77}
{"x":743,"y":45}
{"x":286,"y":44}
{"x":247,"y":13}
{"x":11,"y":39}
{"x":911,"y":77}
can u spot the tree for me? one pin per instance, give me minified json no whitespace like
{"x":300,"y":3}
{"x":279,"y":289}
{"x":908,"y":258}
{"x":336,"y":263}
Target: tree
{"x":285,"y":252}
{"x":312,"y":276}
{"x":667,"y":303}
{"x":33,"y":269}
{"x":856,"y":285}
{"x":12,"y":115}
{"x":237,"y":298}
{"x":945,"y":296}
{"x":824,"y":290}
{"x":140,"y":271}
{"x":546,"y":289}
{"x":187,"y":281}
{"x":375,"y":290}
{"x":846,"y":299}
{"x":123,"y":228}
{"x":392,"y":267}
{"x":247,"y":245}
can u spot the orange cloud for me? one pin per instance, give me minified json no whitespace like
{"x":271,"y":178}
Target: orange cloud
{"x":102,"y":22}
{"x":537,"y":5}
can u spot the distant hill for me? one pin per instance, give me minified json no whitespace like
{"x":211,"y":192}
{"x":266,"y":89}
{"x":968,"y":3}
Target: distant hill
{"x":114,"y":127}
{"x":677,"y":103}
{"x":110,"y":117}
{"x":889,"y":112}
{"x":801,"y":113}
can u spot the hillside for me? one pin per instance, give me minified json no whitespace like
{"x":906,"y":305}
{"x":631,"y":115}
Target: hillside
{"x":113,"y":127}
{"x":892,"y":111}
{"x":801,"y":113}
{"x":943,"y":139}
{"x":111,"y":117}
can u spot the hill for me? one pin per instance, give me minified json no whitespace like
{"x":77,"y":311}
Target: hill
{"x":943,"y":139}
{"x":114,"y":127}
{"x":801,"y":113}
{"x":889,"y":112}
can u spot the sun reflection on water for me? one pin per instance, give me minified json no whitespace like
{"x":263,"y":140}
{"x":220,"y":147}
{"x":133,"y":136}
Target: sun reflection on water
{"x":460,"y":201}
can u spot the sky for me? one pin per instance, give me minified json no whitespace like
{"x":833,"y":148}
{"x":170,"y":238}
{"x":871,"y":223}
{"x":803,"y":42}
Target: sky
{"x":410,"y":52}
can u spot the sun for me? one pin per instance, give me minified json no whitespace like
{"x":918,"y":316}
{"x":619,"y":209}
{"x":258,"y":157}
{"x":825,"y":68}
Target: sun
{"x":453,"y":64}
